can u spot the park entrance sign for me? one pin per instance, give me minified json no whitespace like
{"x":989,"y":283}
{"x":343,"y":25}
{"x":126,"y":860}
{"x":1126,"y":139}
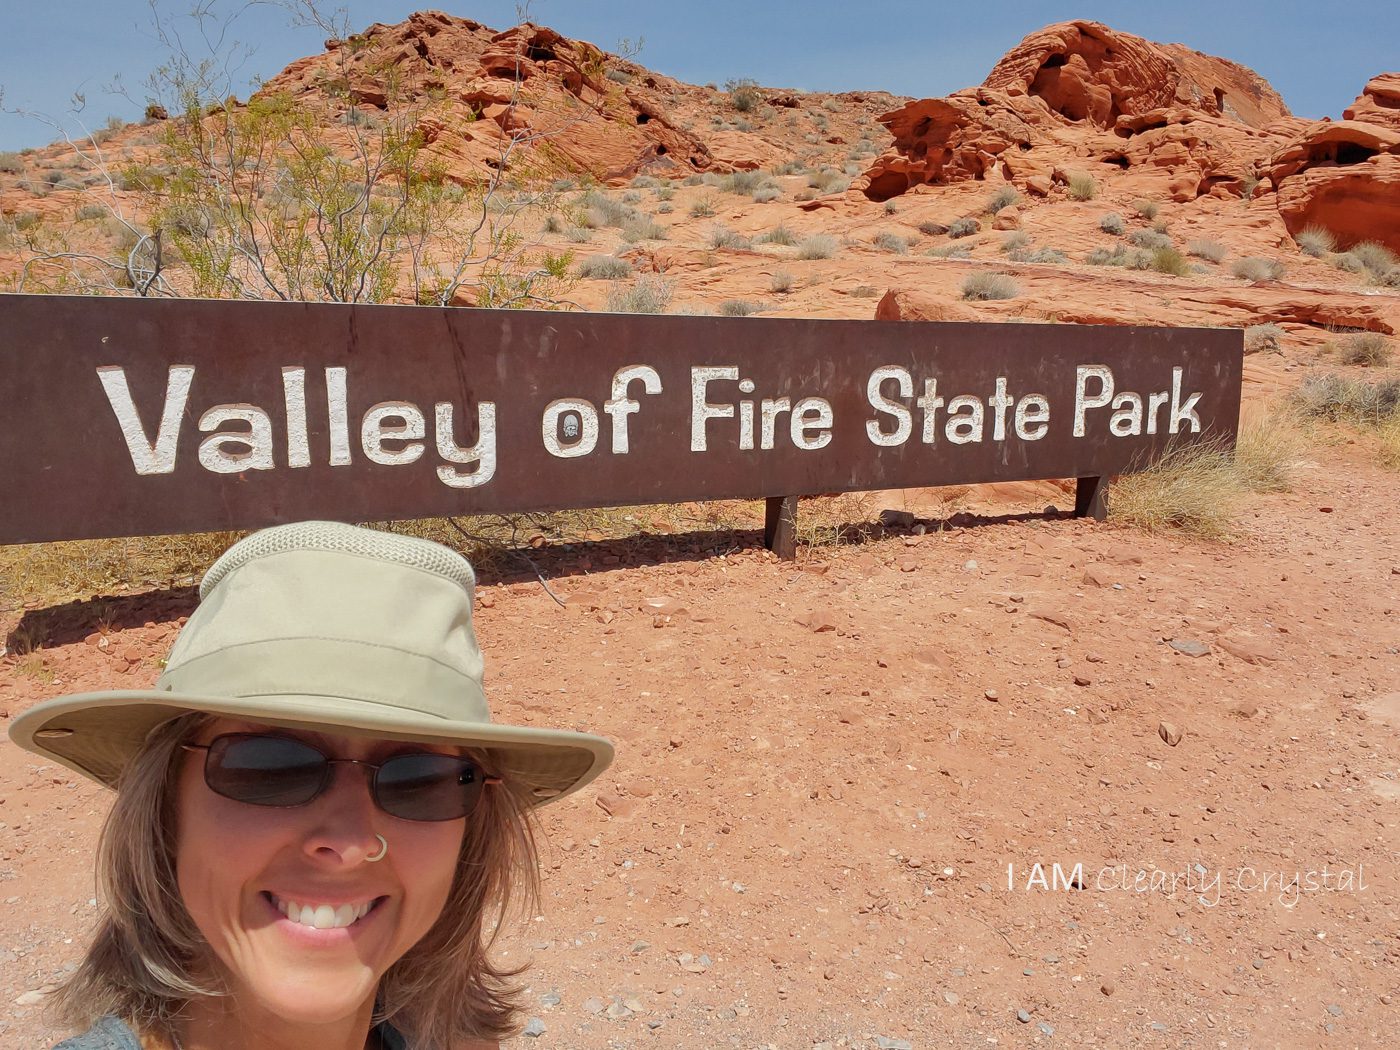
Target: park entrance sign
{"x":125,"y":416}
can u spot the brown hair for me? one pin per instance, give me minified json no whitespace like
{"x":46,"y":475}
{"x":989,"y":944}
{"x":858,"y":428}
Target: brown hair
{"x":147,"y":957}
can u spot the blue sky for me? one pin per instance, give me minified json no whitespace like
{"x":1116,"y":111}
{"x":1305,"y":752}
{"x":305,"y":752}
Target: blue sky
{"x":1317,"y":55}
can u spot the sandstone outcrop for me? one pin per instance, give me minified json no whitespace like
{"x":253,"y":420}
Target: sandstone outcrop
{"x":1082,"y":93}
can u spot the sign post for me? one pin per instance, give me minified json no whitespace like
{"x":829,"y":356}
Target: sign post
{"x":125,"y":416}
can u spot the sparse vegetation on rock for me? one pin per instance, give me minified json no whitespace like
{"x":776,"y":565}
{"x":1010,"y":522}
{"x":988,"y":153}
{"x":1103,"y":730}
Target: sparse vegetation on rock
{"x":985,"y":286}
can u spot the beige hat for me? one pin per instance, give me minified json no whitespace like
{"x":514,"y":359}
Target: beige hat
{"x":331,"y":627}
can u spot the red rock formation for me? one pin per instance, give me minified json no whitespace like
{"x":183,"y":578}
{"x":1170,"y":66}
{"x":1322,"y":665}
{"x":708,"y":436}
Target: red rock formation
{"x":1378,"y":103}
{"x":1194,"y":122}
{"x":1343,"y":176}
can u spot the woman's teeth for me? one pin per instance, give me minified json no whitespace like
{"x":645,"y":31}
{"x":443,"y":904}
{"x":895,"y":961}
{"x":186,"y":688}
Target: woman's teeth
{"x":323,"y":916}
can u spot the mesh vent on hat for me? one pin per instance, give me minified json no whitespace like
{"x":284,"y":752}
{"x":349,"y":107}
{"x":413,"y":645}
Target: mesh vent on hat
{"x":336,"y":536}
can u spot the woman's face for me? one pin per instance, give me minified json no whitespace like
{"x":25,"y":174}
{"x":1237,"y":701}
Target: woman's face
{"x":241,"y":866}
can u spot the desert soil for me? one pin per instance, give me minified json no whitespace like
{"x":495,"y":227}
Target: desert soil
{"x":835,"y":780}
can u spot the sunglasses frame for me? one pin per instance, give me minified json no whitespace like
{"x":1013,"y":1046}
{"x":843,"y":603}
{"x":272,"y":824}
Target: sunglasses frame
{"x":327,"y":778}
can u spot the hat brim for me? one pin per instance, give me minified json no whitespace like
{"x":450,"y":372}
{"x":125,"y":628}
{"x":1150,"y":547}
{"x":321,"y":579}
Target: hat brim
{"x":97,"y":734}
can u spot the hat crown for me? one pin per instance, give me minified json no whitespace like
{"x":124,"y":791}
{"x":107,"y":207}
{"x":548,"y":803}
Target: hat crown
{"x":323,"y":609}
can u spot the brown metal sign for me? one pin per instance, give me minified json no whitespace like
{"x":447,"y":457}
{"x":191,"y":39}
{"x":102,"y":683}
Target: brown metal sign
{"x":123,"y":416}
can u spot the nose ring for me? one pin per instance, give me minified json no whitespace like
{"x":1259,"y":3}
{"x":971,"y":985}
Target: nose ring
{"x":383,"y":850}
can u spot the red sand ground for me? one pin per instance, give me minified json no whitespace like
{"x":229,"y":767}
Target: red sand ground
{"x":806,"y":838}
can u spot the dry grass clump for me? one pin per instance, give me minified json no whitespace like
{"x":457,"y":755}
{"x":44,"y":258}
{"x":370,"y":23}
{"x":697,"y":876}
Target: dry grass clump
{"x":648,"y":294}
{"x":644,"y":228}
{"x":980,"y":287}
{"x":1037,"y":255}
{"x":829,"y":181}
{"x":781,"y":282}
{"x":738,"y":308}
{"x":1082,"y":186}
{"x":1112,"y":222}
{"x":1376,"y":258}
{"x":1147,"y":209}
{"x":1255,"y":269}
{"x":1209,"y":250}
{"x":932,"y":229}
{"x":1372,"y":407}
{"x":723,"y":237}
{"x":950,"y":251}
{"x":1365,"y":349}
{"x":703,"y":208}
{"x":1015,"y":241}
{"x":779,"y":234}
{"x":604,"y":267}
{"x":1259,"y":338}
{"x":1316,"y":241}
{"x":1167,"y":259}
{"x":1149,"y":239}
{"x":891,"y":242}
{"x":964,"y":227}
{"x":1004,"y":197}
{"x":817,"y":246}
{"x":1197,"y":489}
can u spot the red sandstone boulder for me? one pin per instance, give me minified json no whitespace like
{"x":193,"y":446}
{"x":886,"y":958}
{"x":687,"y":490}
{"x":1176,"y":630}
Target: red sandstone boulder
{"x":1378,"y":103}
{"x":1344,"y":176}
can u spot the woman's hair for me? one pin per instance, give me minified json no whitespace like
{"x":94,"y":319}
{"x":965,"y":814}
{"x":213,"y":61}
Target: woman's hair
{"x":147,"y":957}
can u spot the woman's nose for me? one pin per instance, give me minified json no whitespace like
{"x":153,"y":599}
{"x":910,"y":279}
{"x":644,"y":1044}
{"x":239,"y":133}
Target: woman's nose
{"x":342,"y":826}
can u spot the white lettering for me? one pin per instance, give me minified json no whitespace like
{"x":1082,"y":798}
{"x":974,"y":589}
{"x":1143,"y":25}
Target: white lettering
{"x":294,"y":397}
{"x":961,"y":429}
{"x":375,"y":430}
{"x":1032,"y":417}
{"x":1126,"y":420}
{"x":483,"y":453}
{"x":620,"y":406}
{"x":584,"y":438}
{"x":149,"y":457}
{"x":1183,"y":412}
{"x":820,"y":409}
{"x":256,"y":454}
{"x":1082,"y":402}
{"x":904,"y":419}
{"x":700,"y":409}
{"x":339,"y":411}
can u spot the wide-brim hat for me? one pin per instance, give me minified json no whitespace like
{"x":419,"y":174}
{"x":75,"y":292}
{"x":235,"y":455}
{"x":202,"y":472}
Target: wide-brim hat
{"x":329,"y":627}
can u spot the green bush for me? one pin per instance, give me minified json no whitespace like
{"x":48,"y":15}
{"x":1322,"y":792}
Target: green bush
{"x":817,"y":246}
{"x":1316,"y":241}
{"x":744,"y":94}
{"x":984,"y":286}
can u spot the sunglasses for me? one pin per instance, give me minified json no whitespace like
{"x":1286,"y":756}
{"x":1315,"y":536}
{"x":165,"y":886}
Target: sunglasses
{"x":282,"y":771}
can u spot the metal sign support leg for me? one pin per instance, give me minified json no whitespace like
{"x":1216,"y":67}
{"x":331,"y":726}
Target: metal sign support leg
{"x":780,"y":526}
{"x":1091,"y":498}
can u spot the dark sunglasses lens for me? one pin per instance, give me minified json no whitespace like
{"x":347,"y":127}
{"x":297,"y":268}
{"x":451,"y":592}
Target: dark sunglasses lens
{"x":428,"y":787}
{"x":265,"y":770}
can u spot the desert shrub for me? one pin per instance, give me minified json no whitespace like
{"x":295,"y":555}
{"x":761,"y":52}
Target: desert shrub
{"x":1149,"y":239}
{"x":828,"y":181}
{"x":764,"y":194}
{"x":1147,"y":209}
{"x":11,"y":163}
{"x":1167,"y":259}
{"x":618,"y":76}
{"x":1112,"y":223}
{"x":831,"y":105}
{"x":1253,"y":268}
{"x":648,"y":294}
{"x":721,"y":236}
{"x":645,"y":182}
{"x":69,"y":184}
{"x":891,"y":242}
{"x":1348,"y":262}
{"x":1082,"y":186}
{"x":553,"y":223}
{"x":1038,"y":255}
{"x":782,"y":281}
{"x":779,"y":234}
{"x":1267,"y":451}
{"x":693,"y":180}
{"x":1259,"y":338}
{"x":578,"y":234}
{"x":1365,"y":349}
{"x":1115,"y":256}
{"x":644,"y":228}
{"x":1015,"y":240}
{"x":817,"y":246}
{"x":890,"y":206}
{"x":743,"y":182}
{"x":88,"y":212}
{"x":664,"y":193}
{"x":744,"y":94}
{"x":1211,"y":250}
{"x":738,"y":308}
{"x":631,"y":196}
{"x":1316,"y":241}
{"x":1004,"y":197}
{"x":1192,"y":489}
{"x":1336,"y":398}
{"x":984,"y":286}
{"x":1376,"y":258}
{"x":932,"y":229}
{"x":561,"y":185}
{"x":603,"y":267}
{"x":53,"y":178}
{"x":703,"y":208}
{"x":964,"y":227}
{"x":611,"y":212}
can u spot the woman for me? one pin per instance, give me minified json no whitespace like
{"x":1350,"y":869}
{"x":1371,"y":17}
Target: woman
{"x":317,"y":827}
